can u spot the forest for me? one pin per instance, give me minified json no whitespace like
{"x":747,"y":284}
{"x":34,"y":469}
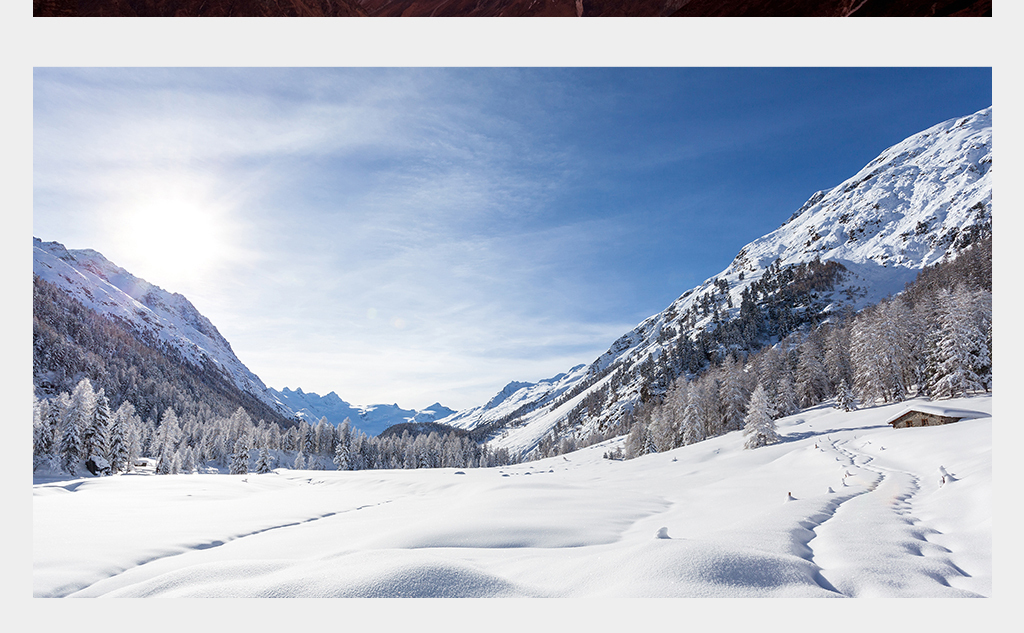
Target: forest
{"x":933,"y":339}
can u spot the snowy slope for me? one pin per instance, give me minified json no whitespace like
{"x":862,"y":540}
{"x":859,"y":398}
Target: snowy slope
{"x":169,"y":318}
{"x":514,"y":397}
{"x":844,"y":506}
{"x":371,"y":419}
{"x":921,"y":200}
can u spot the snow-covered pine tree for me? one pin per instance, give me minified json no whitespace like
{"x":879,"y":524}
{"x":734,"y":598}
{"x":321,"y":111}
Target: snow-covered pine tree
{"x":56,"y":413}
{"x":308,"y":439}
{"x":240,"y":456}
{"x":238,"y":425}
{"x":300,"y":461}
{"x":165,"y":460}
{"x":636,"y":441}
{"x":844,"y":397}
{"x":96,"y":439}
{"x":734,"y":394}
{"x":134,"y":435}
{"x":117,"y":438}
{"x":325,"y":437}
{"x":663,"y":434}
{"x":188,"y":465}
{"x":837,"y":356}
{"x":70,"y":445}
{"x":263,"y":462}
{"x":811,"y":378}
{"x":341,"y":456}
{"x":81,"y":407}
{"x":759,"y":425}
{"x":167,"y":435}
{"x":694,"y":417}
{"x":344,"y":432}
{"x":962,"y":362}
{"x":881,"y":353}
{"x":785,"y":398}
{"x":42,"y":439}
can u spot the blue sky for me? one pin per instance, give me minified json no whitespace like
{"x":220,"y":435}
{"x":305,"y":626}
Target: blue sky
{"x":413,"y":235}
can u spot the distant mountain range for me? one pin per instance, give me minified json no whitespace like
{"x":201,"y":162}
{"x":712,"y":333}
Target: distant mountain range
{"x":920,"y":201}
{"x":512,"y":8}
{"x":371,"y":419}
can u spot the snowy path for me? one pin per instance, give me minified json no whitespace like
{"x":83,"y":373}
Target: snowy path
{"x":873,"y":545}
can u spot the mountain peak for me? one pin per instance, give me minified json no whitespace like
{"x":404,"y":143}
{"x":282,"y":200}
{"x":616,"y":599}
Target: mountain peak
{"x":924,"y":199}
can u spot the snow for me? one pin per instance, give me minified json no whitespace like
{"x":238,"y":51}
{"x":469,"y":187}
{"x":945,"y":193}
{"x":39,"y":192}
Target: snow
{"x":843,"y":506}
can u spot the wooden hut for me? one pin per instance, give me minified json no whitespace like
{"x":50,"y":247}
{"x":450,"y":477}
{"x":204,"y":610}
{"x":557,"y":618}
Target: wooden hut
{"x":920,"y":417}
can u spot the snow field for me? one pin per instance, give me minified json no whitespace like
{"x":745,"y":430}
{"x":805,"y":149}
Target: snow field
{"x":739,"y":523}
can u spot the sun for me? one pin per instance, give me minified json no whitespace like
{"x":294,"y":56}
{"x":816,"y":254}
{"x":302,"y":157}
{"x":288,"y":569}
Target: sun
{"x":173,"y":239}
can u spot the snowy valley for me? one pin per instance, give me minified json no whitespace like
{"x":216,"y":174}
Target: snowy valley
{"x":843,"y":506}
{"x":736,"y":444}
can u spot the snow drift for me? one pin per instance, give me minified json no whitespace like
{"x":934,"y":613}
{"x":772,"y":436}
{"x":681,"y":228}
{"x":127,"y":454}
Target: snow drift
{"x":870,"y":515}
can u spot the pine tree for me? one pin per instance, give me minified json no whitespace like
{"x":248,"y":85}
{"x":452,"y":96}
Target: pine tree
{"x":55,"y":415}
{"x":734,"y":395}
{"x":98,"y":427}
{"x":811,"y":378}
{"x":308,"y":439}
{"x":785,"y":398}
{"x":263,"y":462}
{"x":844,"y":397}
{"x":42,"y":439}
{"x":240,"y":456}
{"x":80,"y":409}
{"x":693,"y":418}
{"x":70,"y":445}
{"x":759,"y":425}
{"x":663,"y":435}
{"x":882,"y":353}
{"x":189,"y":464}
{"x":300,"y":462}
{"x":134,"y":441}
{"x":837,"y":356}
{"x":167,"y":434}
{"x":117,"y":445}
{"x":341,"y":456}
{"x":636,"y":441}
{"x":962,"y":361}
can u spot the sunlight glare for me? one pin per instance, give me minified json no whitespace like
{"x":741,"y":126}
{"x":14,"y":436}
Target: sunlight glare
{"x":174,"y":240}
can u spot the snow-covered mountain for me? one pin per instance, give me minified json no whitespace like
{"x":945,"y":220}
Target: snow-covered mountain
{"x":168,"y":320}
{"x":922,"y":200}
{"x":172,"y":323}
{"x":371,"y":419}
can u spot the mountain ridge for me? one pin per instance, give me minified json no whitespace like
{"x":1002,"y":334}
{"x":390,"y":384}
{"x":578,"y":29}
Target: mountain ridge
{"x":372,"y":419}
{"x":919,"y":201}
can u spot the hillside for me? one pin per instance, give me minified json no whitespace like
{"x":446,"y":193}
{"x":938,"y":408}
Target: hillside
{"x":921,"y":201}
{"x":139,"y":342}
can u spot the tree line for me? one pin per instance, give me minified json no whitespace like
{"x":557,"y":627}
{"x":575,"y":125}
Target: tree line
{"x":932,"y":340}
{"x":76,"y":431}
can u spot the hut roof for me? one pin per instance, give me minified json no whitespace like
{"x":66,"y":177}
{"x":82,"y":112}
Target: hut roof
{"x":939,"y":410}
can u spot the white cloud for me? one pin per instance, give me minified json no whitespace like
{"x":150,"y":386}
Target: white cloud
{"x":389,"y":197}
